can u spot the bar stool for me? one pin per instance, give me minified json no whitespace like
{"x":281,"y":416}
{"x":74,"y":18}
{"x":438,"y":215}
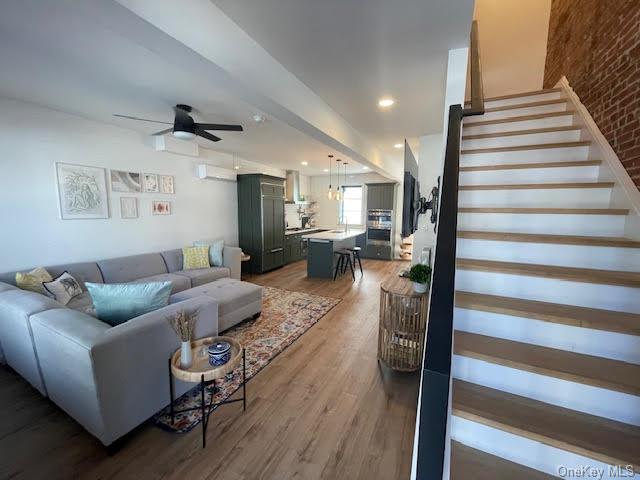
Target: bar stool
{"x":355,"y":251}
{"x":344,"y":261}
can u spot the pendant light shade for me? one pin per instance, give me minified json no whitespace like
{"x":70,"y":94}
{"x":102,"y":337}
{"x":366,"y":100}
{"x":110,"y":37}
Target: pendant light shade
{"x":338,"y":194}
{"x":329,"y":192}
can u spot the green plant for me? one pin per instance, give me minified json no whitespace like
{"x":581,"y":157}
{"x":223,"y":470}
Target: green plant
{"x":420,"y":273}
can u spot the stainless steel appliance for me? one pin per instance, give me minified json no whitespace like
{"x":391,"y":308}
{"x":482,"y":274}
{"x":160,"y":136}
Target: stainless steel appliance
{"x":379,"y":223}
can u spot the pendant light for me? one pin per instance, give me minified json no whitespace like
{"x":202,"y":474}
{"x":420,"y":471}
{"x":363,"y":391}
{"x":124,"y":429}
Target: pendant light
{"x":330,"y":193}
{"x":338,"y":194}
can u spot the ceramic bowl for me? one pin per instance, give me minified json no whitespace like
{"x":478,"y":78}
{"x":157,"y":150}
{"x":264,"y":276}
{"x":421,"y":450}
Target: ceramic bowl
{"x":219,"y":353}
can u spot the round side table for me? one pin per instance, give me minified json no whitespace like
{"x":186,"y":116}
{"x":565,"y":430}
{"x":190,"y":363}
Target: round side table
{"x":403,"y":324}
{"x":204,"y":373}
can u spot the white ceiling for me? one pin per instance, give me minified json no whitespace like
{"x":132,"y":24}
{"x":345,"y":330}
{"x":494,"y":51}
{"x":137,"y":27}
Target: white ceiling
{"x":353,"y":52}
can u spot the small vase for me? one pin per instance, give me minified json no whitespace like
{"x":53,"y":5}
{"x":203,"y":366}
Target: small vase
{"x":186,"y":358}
{"x":420,"y":287}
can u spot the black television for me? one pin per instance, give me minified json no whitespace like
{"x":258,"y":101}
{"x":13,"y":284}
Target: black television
{"x":411,"y":193}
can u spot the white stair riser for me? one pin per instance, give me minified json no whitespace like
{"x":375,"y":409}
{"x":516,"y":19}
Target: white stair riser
{"x":525,"y":451}
{"x":558,"y":224}
{"x":556,"y":121}
{"x":606,"y":297}
{"x":543,"y":97}
{"x":530,"y":175}
{"x":537,"y":198}
{"x":517,"y":112}
{"x":602,"y":402}
{"x":536,"y":155}
{"x":616,"y":346}
{"x":515,"y":140}
{"x":581,"y":256}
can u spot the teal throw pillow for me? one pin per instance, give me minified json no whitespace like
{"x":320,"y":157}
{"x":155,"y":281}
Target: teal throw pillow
{"x":115,"y":303}
{"x":215,"y":250}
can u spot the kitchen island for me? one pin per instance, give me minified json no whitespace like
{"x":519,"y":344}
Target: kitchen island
{"x":320,"y":258}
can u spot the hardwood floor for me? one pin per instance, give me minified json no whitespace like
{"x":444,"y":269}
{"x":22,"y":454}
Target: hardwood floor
{"x":324,"y":408}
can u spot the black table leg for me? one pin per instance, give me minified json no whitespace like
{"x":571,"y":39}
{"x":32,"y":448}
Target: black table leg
{"x":359,"y":262}
{"x":244,"y":380}
{"x":204,"y":419}
{"x":171,"y":392}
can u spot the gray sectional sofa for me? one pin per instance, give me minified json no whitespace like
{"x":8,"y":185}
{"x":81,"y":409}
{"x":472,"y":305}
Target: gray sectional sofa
{"x":112,"y":379}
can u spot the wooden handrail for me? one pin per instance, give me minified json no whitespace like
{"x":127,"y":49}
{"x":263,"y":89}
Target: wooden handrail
{"x":477,"y":90}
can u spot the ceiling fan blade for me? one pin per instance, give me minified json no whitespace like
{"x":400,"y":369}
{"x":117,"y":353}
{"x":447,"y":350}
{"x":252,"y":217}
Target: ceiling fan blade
{"x":219,"y":126}
{"x":208,"y":136}
{"x":162,"y":132}
{"x":141,"y":119}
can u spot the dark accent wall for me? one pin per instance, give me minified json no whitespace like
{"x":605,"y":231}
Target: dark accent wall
{"x":596,"y":45}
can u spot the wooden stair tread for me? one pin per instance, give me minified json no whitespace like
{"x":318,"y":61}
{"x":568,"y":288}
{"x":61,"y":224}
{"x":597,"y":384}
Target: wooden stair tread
{"x":535,"y":146}
{"x":574,"y":367}
{"x":515,"y":133}
{"x":606,"y":320}
{"x":552,"y":211}
{"x":519,"y":118}
{"x":523,"y":94}
{"x":516,"y":106}
{"x":537,"y":186}
{"x":594,"y":437}
{"x":617,"y":242}
{"x":525,"y":166}
{"x":468,"y":463}
{"x":573,"y":274}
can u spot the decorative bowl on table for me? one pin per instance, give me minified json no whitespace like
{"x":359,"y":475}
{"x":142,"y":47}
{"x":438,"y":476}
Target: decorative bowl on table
{"x":219,"y":353}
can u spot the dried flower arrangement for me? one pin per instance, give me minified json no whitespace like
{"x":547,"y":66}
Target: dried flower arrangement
{"x":183,"y":323}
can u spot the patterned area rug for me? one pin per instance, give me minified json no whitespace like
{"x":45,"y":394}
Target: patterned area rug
{"x":285,"y":317}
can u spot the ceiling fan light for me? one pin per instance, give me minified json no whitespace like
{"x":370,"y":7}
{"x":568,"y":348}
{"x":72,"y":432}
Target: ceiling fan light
{"x":184,"y":135}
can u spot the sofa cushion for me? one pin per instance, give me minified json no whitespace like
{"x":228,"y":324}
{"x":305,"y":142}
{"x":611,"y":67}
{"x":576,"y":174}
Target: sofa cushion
{"x":231,"y":294}
{"x":6,"y":287}
{"x":195,"y":257}
{"x":82,"y":272}
{"x":215,"y":250}
{"x":120,"y":302}
{"x":178,"y":282}
{"x":201,"y":276}
{"x":173,"y":259}
{"x":33,"y":280}
{"x":63,"y":288}
{"x":128,"y":269}
{"x":82,"y":303}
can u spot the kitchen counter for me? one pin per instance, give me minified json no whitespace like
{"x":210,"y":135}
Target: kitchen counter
{"x":334,"y":235}
{"x":305,"y":230}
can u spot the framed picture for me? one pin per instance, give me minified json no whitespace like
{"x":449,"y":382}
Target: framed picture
{"x":150,"y":183}
{"x":82,"y":191}
{"x":161,"y":208}
{"x":166,"y":184}
{"x":125,"y":182}
{"x":128,"y":207}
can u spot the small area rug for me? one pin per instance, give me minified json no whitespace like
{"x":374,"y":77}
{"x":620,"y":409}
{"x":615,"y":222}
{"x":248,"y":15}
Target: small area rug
{"x":285,"y":317}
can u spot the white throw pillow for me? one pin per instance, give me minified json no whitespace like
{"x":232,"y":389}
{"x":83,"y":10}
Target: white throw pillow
{"x":63,"y":288}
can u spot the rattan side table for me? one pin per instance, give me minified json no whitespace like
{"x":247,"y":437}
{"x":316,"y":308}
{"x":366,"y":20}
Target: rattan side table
{"x":403,"y":324}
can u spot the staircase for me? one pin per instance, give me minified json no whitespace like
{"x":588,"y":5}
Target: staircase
{"x":546,"y":349}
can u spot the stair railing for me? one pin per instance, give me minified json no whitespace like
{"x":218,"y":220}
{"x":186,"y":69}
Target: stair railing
{"x":434,"y":401}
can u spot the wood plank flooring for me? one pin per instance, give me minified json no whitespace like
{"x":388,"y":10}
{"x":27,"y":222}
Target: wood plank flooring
{"x":324,"y":408}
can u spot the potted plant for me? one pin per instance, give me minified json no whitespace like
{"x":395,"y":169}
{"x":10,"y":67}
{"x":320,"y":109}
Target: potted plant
{"x":183,"y":323}
{"x":420,"y":275}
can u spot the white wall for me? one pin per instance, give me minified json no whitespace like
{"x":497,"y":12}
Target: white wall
{"x":513,"y":44}
{"x":33,"y":139}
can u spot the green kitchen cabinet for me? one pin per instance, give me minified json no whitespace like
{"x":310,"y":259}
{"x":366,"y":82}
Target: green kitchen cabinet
{"x":261,"y":221}
{"x":380,"y":196}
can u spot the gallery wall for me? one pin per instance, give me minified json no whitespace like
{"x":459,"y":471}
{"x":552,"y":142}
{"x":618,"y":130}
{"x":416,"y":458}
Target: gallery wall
{"x":33,"y":139}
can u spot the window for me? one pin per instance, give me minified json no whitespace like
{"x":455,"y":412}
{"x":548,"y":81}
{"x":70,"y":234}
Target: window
{"x":351,"y":205}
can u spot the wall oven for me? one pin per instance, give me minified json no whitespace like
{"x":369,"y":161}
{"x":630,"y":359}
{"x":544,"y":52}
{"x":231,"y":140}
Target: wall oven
{"x":379,"y":227}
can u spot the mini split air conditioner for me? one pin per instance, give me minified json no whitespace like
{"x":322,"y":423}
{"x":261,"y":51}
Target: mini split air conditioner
{"x":216,"y":173}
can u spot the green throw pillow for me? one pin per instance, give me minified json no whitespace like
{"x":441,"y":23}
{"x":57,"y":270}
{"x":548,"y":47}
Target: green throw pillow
{"x":115,"y":303}
{"x":195,"y":257}
{"x":33,"y":280}
{"x":215,"y":250}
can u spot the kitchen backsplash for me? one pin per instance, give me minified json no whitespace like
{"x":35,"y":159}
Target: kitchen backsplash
{"x":291,"y":215}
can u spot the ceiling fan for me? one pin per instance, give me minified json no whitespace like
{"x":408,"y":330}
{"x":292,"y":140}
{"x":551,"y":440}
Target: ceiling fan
{"x":185,"y":128}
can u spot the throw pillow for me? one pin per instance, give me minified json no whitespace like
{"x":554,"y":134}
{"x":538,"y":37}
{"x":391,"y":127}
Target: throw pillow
{"x":215,"y":250}
{"x":63,"y":288}
{"x":115,"y":303}
{"x":33,"y":280}
{"x":195,"y":257}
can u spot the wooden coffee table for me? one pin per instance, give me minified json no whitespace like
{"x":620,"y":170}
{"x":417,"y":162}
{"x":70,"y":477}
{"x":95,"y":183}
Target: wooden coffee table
{"x":205,"y":374}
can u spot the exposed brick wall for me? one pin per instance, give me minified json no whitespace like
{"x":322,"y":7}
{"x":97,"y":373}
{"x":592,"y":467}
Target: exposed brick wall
{"x":596,"y":45}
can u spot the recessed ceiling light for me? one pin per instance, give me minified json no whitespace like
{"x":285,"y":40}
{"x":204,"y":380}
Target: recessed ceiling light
{"x":237,"y":167}
{"x":365,"y":168}
{"x":386,"y":102}
{"x":398,"y":145}
{"x":304,"y":163}
{"x":326,"y":170}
